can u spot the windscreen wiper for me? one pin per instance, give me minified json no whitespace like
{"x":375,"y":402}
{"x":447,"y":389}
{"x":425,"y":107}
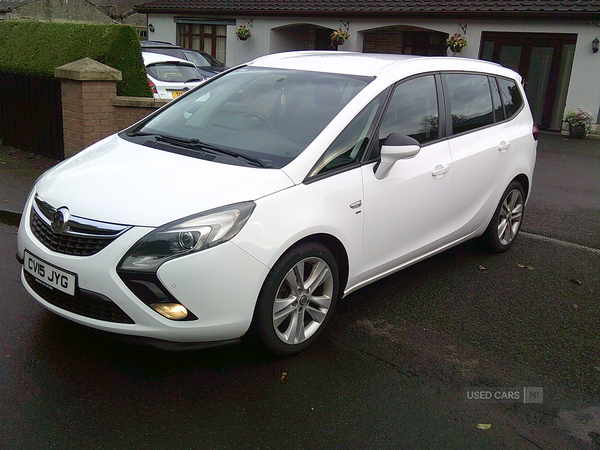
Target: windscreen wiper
{"x":139,"y":133}
{"x":196,"y":144}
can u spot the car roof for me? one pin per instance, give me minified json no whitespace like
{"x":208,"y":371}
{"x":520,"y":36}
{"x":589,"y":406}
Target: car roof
{"x":373,"y":64}
{"x":329,"y":61}
{"x":154,"y":58}
{"x":195,"y":51}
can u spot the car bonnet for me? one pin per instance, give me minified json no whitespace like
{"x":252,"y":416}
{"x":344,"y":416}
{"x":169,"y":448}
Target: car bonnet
{"x":121,"y":182}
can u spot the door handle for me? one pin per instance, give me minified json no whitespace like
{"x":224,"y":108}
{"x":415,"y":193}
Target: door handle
{"x":503,"y":146}
{"x":440,"y":170}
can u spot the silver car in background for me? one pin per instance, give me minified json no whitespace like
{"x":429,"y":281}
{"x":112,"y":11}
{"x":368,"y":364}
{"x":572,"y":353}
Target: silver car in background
{"x":169,"y":77}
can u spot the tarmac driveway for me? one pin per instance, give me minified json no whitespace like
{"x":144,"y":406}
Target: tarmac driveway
{"x":392,"y":371}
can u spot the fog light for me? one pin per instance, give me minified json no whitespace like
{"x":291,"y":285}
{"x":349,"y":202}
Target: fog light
{"x":173,"y":311}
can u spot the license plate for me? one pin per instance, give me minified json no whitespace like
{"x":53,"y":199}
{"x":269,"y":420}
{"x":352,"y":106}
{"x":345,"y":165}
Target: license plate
{"x":177,"y":93}
{"x":50,"y":275}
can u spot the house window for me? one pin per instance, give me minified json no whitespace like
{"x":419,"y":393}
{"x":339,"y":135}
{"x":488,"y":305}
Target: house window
{"x":209,"y":38}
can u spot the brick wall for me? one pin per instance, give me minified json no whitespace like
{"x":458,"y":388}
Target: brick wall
{"x":92,"y":111}
{"x":87,"y":112}
{"x":405,"y":40}
{"x":91,"y":108}
{"x":129,"y":110}
{"x":386,"y":40}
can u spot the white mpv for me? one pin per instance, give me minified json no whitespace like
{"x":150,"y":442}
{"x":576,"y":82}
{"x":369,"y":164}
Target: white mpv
{"x":257,"y":200}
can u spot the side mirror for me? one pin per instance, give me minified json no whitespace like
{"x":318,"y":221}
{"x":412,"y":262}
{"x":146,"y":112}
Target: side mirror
{"x":395,"y":147}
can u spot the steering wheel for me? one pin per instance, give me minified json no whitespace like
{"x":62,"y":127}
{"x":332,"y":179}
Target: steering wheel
{"x":262,"y":118}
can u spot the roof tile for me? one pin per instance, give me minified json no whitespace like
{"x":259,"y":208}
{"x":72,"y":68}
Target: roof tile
{"x":397,"y":6}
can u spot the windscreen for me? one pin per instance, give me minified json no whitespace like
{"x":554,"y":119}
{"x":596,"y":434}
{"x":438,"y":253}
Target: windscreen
{"x":268,"y":114}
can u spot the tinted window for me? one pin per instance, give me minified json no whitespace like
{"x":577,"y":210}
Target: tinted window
{"x":498,"y":106}
{"x":196,"y":58}
{"x":214,"y":62}
{"x":511,"y":96}
{"x":351,"y":143}
{"x":413,"y":111}
{"x":470,"y":101}
{"x":202,"y":59}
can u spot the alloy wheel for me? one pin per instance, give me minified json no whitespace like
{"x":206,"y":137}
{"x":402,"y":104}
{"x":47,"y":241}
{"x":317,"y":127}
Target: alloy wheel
{"x":303,"y":300}
{"x":510,"y":217}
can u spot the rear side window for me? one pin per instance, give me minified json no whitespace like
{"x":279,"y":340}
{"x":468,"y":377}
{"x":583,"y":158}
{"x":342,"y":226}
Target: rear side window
{"x":498,"y":105}
{"x":470,"y":101}
{"x":511,"y":96}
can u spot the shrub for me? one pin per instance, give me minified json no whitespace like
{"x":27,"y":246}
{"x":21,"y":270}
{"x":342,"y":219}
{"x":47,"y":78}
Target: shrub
{"x":40,"y":47}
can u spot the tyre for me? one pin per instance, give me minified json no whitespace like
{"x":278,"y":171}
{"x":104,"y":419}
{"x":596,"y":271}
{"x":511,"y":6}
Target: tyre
{"x":507,"y":219}
{"x":297,"y":299}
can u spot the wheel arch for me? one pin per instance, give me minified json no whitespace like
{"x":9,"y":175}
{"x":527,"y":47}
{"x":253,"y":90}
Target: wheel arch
{"x":337,"y":249}
{"x":261,"y":327}
{"x":523,"y":180}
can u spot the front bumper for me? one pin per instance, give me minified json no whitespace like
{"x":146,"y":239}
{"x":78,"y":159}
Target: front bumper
{"x":219,"y":286}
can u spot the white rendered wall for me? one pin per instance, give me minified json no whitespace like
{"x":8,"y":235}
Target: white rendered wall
{"x":584,"y":88}
{"x":164,"y":28}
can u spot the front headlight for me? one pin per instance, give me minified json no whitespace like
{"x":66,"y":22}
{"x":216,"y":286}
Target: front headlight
{"x":188,"y":235}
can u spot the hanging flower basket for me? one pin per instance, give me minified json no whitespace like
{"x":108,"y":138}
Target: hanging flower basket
{"x":339,"y":37}
{"x":243,"y":33}
{"x":456,"y":43}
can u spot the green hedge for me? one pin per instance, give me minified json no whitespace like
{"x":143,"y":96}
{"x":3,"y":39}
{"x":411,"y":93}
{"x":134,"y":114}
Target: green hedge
{"x":40,"y":47}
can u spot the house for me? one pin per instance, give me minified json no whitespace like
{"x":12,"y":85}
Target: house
{"x":122,"y":11}
{"x":551,"y":43}
{"x":86,"y":11}
{"x":53,"y":11}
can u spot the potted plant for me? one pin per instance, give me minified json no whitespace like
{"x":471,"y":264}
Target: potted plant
{"x":243,"y":33}
{"x":338,"y":37}
{"x":580,"y":123}
{"x":456,"y":43}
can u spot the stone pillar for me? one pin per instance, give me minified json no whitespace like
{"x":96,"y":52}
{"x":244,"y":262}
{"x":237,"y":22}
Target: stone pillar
{"x":88,"y":89}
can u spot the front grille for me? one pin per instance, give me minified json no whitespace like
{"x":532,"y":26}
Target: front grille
{"x":84,"y":303}
{"x":80,"y":237}
{"x":63,"y":243}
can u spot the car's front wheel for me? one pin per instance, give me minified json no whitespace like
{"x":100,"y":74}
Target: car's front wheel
{"x":506,"y":222}
{"x":297,"y":299}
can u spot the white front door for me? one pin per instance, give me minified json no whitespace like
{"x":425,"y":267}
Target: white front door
{"x":406,"y":213}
